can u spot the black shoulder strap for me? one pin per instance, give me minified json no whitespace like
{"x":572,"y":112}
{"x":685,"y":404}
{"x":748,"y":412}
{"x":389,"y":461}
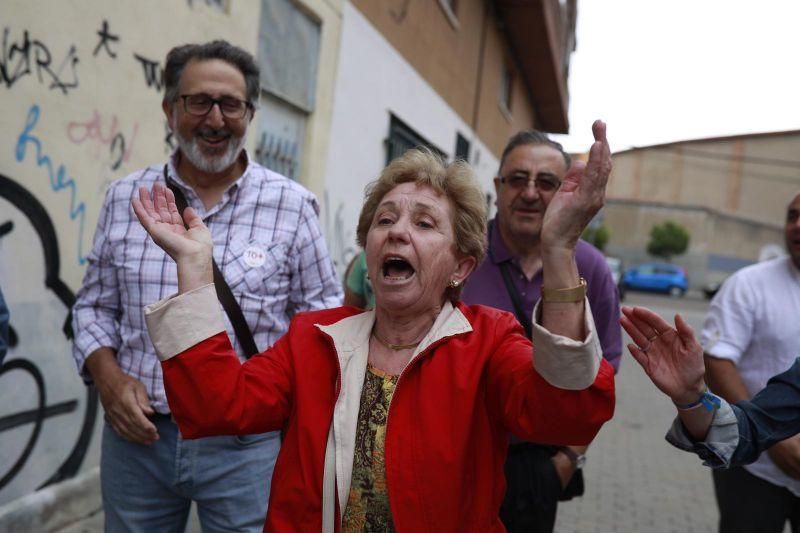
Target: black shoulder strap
{"x":516,"y":300}
{"x":226,"y":298}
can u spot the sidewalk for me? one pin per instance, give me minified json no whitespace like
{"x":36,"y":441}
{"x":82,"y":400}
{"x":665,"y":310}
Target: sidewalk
{"x":635,"y":481}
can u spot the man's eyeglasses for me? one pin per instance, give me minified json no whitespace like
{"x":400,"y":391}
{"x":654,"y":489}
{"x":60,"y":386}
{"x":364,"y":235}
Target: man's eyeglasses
{"x":522,"y":182}
{"x":200,"y":105}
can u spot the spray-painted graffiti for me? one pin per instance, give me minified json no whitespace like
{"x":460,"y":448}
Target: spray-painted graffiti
{"x":59,"y":179}
{"x":153,"y":73}
{"x":27,"y":56}
{"x":93,"y":130}
{"x":106,"y":38}
{"x":69,"y":65}
{"x":341,"y":241}
{"x":27,"y":210}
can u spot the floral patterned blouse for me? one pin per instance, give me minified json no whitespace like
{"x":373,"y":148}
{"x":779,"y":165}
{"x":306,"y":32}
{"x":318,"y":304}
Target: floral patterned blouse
{"x":368,"y":503}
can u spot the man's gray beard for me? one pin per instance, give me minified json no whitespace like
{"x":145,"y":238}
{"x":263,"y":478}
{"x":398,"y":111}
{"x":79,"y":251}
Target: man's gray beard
{"x":213,"y":165}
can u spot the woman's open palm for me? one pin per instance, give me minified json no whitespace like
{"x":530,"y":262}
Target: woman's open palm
{"x":159,"y":215}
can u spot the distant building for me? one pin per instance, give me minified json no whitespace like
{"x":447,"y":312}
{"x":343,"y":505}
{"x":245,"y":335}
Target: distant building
{"x":729,"y":192}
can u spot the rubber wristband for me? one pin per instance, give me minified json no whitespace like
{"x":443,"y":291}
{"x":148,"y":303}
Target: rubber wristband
{"x":708,"y":400}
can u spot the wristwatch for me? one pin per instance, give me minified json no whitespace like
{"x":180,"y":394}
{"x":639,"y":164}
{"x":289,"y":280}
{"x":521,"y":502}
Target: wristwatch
{"x":578,"y":459}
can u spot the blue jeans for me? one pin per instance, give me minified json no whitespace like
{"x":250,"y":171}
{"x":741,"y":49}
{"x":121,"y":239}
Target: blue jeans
{"x":150,"y":488}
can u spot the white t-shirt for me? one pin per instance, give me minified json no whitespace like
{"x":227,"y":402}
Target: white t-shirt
{"x":754,"y":321}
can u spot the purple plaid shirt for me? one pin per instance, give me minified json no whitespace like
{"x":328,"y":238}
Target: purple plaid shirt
{"x":486,"y":286}
{"x":267,"y":242}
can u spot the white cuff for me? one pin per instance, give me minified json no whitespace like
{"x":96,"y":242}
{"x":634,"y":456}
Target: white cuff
{"x":563,"y":362}
{"x":180,"y":321}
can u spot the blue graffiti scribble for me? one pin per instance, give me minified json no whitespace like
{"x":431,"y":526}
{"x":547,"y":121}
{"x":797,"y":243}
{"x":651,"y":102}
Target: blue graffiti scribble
{"x":59,"y":179}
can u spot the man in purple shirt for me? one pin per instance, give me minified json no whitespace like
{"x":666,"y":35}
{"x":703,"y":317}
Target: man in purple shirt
{"x":510,"y":278}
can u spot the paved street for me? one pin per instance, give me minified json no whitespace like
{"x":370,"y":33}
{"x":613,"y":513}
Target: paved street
{"x":636,"y":482}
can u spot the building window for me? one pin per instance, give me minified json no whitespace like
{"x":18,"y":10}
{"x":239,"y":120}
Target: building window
{"x":291,"y":75}
{"x":462,"y":148}
{"x":506,"y":88}
{"x":402,"y":138}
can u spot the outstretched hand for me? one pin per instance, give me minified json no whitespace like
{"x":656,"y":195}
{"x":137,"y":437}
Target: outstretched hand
{"x":581,"y":194}
{"x":190,"y":246}
{"x":671,"y":357}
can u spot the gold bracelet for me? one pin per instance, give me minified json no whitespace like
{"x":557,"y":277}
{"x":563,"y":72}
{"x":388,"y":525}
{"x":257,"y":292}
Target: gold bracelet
{"x":573,"y":294}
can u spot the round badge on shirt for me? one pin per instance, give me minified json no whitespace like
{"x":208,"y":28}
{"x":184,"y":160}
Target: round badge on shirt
{"x":254,"y":256}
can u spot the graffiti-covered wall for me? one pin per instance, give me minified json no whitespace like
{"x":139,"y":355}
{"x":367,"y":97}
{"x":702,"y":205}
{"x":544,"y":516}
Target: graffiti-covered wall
{"x":81,"y":86}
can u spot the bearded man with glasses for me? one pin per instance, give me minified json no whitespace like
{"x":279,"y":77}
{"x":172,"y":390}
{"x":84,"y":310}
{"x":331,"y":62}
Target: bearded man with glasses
{"x":532,"y":167}
{"x":269,"y":249}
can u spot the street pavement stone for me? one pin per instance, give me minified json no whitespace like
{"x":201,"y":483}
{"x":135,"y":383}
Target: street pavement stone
{"x":635,"y":481}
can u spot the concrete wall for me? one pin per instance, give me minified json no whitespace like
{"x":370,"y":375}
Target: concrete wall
{"x":373,"y":82}
{"x":745,"y":176}
{"x":719,"y":244}
{"x":729,"y":192}
{"x":81,"y":91}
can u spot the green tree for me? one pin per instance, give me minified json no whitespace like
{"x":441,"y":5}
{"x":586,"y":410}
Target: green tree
{"x":597,"y":235}
{"x":668,"y":239}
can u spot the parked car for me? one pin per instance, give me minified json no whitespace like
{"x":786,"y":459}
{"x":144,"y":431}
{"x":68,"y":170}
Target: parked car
{"x":615,"y":266}
{"x":657,"y":277}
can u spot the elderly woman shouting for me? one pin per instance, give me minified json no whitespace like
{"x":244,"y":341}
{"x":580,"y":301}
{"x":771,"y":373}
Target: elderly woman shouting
{"x":396,"y":418}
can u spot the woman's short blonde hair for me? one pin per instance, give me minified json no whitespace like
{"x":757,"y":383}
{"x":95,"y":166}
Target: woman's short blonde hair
{"x":455,"y":181}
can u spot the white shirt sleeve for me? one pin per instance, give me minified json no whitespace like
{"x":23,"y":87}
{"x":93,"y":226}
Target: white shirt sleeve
{"x":728,"y":328}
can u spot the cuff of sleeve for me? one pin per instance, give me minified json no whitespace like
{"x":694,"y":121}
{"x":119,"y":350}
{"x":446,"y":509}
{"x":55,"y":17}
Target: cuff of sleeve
{"x":723,"y":350}
{"x":180,"y":321}
{"x":93,"y":336}
{"x":720,"y":443}
{"x":563,"y":362}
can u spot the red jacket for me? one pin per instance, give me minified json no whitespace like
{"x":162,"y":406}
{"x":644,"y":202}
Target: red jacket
{"x":471,"y":383}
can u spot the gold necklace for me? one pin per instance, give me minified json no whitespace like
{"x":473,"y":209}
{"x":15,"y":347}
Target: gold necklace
{"x":395,"y":347}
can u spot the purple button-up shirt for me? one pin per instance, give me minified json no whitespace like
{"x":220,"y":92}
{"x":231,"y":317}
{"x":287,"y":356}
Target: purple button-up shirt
{"x":486,"y":286}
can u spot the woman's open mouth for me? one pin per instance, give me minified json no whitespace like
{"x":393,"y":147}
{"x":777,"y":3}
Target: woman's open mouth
{"x":397,"y":269}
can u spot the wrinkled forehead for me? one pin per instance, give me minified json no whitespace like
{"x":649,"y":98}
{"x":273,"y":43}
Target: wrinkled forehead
{"x":416,"y":197}
{"x":534,"y":158}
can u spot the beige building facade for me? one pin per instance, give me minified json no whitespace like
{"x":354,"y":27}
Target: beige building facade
{"x":729,"y":192}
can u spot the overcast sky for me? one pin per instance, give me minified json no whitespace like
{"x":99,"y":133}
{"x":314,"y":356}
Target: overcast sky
{"x":666,"y":70}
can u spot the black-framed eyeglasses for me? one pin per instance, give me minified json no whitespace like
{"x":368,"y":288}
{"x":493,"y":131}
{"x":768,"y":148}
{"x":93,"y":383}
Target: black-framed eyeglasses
{"x":200,"y":105}
{"x":523,"y":182}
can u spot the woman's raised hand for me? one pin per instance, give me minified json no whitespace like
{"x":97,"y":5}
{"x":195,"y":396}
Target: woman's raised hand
{"x":191,"y":247}
{"x":671,"y":357}
{"x":580,"y":196}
